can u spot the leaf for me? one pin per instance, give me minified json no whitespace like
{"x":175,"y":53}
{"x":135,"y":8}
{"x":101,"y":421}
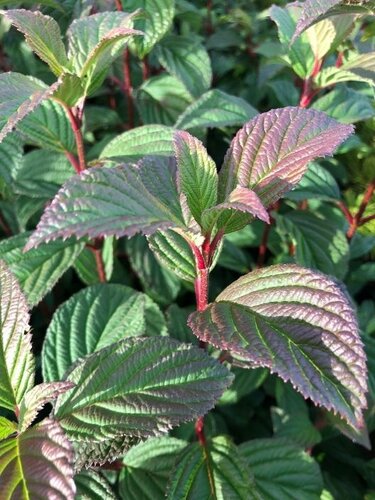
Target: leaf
{"x":270,"y":154}
{"x":36,"y":398}
{"x":92,"y":485}
{"x":37,"y":271}
{"x":152,"y":384}
{"x":318,"y":242}
{"x":155,"y":140}
{"x":95,"y":42}
{"x":37,"y":464}
{"x":317,"y":183}
{"x":216,"y":109}
{"x":282,"y":470}
{"x":11,"y":152}
{"x":48,"y":3}
{"x":147,"y":468}
{"x":185,"y":58}
{"x":177,"y":324}
{"x":298,"y":323}
{"x":7,"y":428}
{"x":19,"y":95}
{"x":245,"y":382}
{"x":113,"y":201}
{"x":42,"y":34}
{"x":48,"y":127}
{"x":196,"y":174}
{"x":160,"y":283}
{"x":362,"y":67}
{"x":345,"y":105}
{"x":86,"y":267}
{"x":214,"y":471}
{"x":94,"y":318}
{"x":155,"y":20}
{"x":16,"y":359}
{"x":321,"y":37}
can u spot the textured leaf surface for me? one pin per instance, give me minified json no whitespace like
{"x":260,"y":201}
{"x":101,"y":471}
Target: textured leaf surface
{"x":113,"y":201}
{"x":215,"y":471}
{"x":36,"y":398}
{"x":155,"y":140}
{"x":37,"y":464}
{"x":94,"y":318}
{"x":270,"y":153}
{"x":185,"y":58}
{"x":136,"y":387}
{"x":316,"y":183}
{"x":7,"y":428}
{"x":345,"y":105}
{"x":148,"y":467}
{"x":298,"y":323}
{"x":92,"y":485}
{"x":196,"y":172}
{"x":42,"y":33}
{"x":282,"y":470}
{"x":38,"y":270}
{"x":16,"y":359}
{"x":11,"y":152}
{"x":19,"y":95}
{"x":215,"y":108}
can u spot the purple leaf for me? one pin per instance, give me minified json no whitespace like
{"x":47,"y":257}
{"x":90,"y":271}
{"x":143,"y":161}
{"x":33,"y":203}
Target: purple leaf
{"x":37,"y":463}
{"x":298,"y":323}
{"x":270,"y":154}
{"x":118,"y":201}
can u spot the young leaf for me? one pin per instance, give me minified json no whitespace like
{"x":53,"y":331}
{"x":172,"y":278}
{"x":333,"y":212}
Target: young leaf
{"x":7,"y":428}
{"x":185,"y":58}
{"x":38,"y":271}
{"x":282,"y":470}
{"x":152,"y":384}
{"x":216,"y":470}
{"x":116,"y":201}
{"x":42,"y":33}
{"x":298,"y":323}
{"x":148,"y":467}
{"x":92,"y":485}
{"x":36,"y":398}
{"x":270,"y":153}
{"x":19,"y":95}
{"x":37,"y":464}
{"x":215,"y":108}
{"x":94,"y":318}
{"x":16,"y":359}
{"x":197,"y":174}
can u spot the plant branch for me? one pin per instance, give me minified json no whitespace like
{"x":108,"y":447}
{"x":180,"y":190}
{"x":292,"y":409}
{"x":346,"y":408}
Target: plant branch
{"x":128,"y":88}
{"x":308,"y":91}
{"x":367,"y":219}
{"x":96,"y":248}
{"x":75,"y":119}
{"x":356,"y":220}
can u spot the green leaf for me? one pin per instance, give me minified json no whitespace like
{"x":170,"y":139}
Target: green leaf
{"x":245,"y":382}
{"x":162,"y":99}
{"x":282,"y":470}
{"x":185,"y":58}
{"x":19,"y":95}
{"x":95,"y":42}
{"x":155,"y":140}
{"x":177,"y":318}
{"x":86,"y":266}
{"x":215,"y":108}
{"x":317,"y":183}
{"x":216,"y":470}
{"x":42,"y":34}
{"x":92,"y":485}
{"x":94,"y":318}
{"x":48,"y":127}
{"x":116,"y":201}
{"x":16,"y":359}
{"x":35,"y":399}
{"x":298,"y":323}
{"x":318,"y":242}
{"x":11,"y":152}
{"x":345,"y":105}
{"x":38,"y":270}
{"x":152,"y":384}
{"x":197,"y":174}
{"x":7,"y":428}
{"x":48,"y":3}
{"x":159,"y":283}
{"x":155,"y":20}
{"x":37,"y":464}
{"x":148,"y":467}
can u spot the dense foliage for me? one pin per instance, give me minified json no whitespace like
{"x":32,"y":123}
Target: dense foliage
{"x":187,"y":223}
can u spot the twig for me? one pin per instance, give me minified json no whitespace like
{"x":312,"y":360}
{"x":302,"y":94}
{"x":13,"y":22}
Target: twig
{"x":145,"y":69}
{"x":128,"y":89}
{"x":75,"y":119}
{"x":308,"y":92}
{"x":357,"y":219}
{"x":263,"y":244}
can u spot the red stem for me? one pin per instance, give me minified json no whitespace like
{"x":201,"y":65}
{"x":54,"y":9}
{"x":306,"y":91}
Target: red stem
{"x":356,"y":220}
{"x":145,"y":69}
{"x":308,"y":92}
{"x":75,"y":119}
{"x":345,"y":211}
{"x":99,"y":264}
{"x":128,"y":88}
{"x":366,"y":219}
{"x":263,"y":244}
{"x":199,"y":431}
{"x":118,"y":5}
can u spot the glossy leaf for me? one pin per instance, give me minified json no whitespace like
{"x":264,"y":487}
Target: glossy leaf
{"x":42,"y":33}
{"x":270,"y":153}
{"x":282,"y":470}
{"x":215,"y":108}
{"x":7,"y":428}
{"x":92,"y":485}
{"x":116,"y":201}
{"x":16,"y":359}
{"x":38,"y":271}
{"x":136,"y":388}
{"x":316,"y":183}
{"x":94,"y":318}
{"x":148,"y":467}
{"x":214,"y":471}
{"x":298,"y":323}
{"x":37,"y":464}
{"x":345,"y":105}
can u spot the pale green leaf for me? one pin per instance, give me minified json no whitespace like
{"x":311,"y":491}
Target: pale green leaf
{"x":11,"y":152}
{"x":7,"y":428}
{"x":345,"y":105}
{"x":317,"y":183}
